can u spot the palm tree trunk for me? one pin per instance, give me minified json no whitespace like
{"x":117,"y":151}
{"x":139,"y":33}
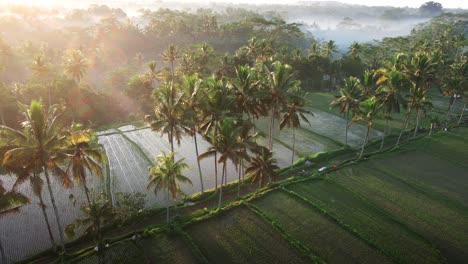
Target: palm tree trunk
{"x":57,"y":217}
{"x":239,"y":178}
{"x":462,"y":112}
{"x":49,"y":229}
{"x":294,"y":146}
{"x":365,"y":142}
{"x":450,"y":107}
{"x":405,"y":126}
{"x":346,"y":128}
{"x":2,"y":116}
{"x":216,"y":170}
{"x":221,"y":186}
{"x":430,"y":131}
{"x":167,"y":207}
{"x":171,"y":141}
{"x":272,"y":124}
{"x":198,"y":162}
{"x":2,"y":253}
{"x":383,"y":136}
{"x":418,"y":116}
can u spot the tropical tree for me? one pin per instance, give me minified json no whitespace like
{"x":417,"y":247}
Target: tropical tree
{"x":420,"y":103}
{"x":217,"y":108}
{"x":355,"y":50}
{"x":348,"y":102}
{"x":171,"y":54}
{"x":96,"y":215}
{"x":7,"y":101}
{"x":262,"y":166}
{"x":193,"y":92}
{"x":293,"y":114}
{"x":391,"y":83}
{"x":166,"y":176}
{"x":152,"y":72}
{"x":368,"y":109}
{"x":40,"y":68}
{"x":227,"y":143}
{"x":169,"y":112}
{"x":84,"y":157}
{"x":455,"y":82}
{"x":10,"y":202}
{"x":329,"y":49}
{"x":245,"y":86}
{"x":278,"y":82}
{"x":420,"y":72}
{"x":40,"y":144}
{"x":76,"y":65}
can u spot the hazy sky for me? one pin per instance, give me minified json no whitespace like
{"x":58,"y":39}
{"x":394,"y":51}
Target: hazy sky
{"x":400,"y":3}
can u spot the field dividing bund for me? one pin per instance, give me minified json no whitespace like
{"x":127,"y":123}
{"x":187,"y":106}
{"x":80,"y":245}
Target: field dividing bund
{"x":439,"y":179}
{"x":240,"y":236}
{"x":445,"y":227}
{"x":367,"y":221}
{"x":316,"y":231}
{"x":167,"y":248}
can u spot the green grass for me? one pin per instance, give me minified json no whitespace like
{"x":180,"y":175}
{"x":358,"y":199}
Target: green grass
{"x":322,"y":235}
{"x":445,"y":227}
{"x":321,"y":101}
{"x":166,"y":248}
{"x":307,"y":142}
{"x":439,"y":176}
{"x":239,"y":236}
{"x":367,"y":221}
{"x":122,"y":252}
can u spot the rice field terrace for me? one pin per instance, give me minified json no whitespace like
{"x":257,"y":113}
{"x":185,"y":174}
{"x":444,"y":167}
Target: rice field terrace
{"x":406,"y":205}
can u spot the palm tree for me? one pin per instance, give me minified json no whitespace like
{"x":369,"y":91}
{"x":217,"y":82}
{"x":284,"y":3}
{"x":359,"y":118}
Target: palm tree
{"x":227,"y":143}
{"x":355,"y":50}
{"x":40,"y":144}
{"x":166,"y":175}
{"x":246,"y":91}
{"x":83,"y":157}
{"x":420,"y":71}
{"x":294,"y":113}
{"x":40,"y":68}
{"x":193,"y":93}
{"x":368,"y":109}
{"x":10,"y":202}
{"x":171,"y":54}
{"x":278,"y":83}
{"x":96,"y":214}
{"x":217,"y":107}
{"x":455,"y":81}
{"x":420,"y":104}
{"x":328,"y":49}
{"x":391,"y":83}
{"x":261,"y":166}
{"x":7,"y":100}
{"x":348,"y":102}
{"x":168,"y":111}
{"x":152,"y":72}
{"x":76,"y":65}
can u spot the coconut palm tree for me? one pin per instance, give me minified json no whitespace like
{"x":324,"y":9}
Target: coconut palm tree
{"x":246,"y":91}
{"x":355,"y":50}
{"x":40,"y":68}
{"x":76,"y":65}
{"x":169,"y":112}
{"x":455,"y":82}
{"x":348,"y":102}
{"x":420,"y":71}
{"x":171,"y":54}
{"x":217,"y":108}
{"x":391,"y":83}
{"x":84,"y":158}
{"x":152,"y":72}
{"x":166,"y":176}
{"x":329,"y":49}
{"x":40,"y":144}
{"x":262,"y":166}
{"x":96,"y":214}
{"x":10,"y":202}
{"x":421,"y":103}
{"x":193,"y":93}
{"x":368,"y":109}
{"x":227,"y":143}
{"x":278,"y":82}
{"x":293,"y":114}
